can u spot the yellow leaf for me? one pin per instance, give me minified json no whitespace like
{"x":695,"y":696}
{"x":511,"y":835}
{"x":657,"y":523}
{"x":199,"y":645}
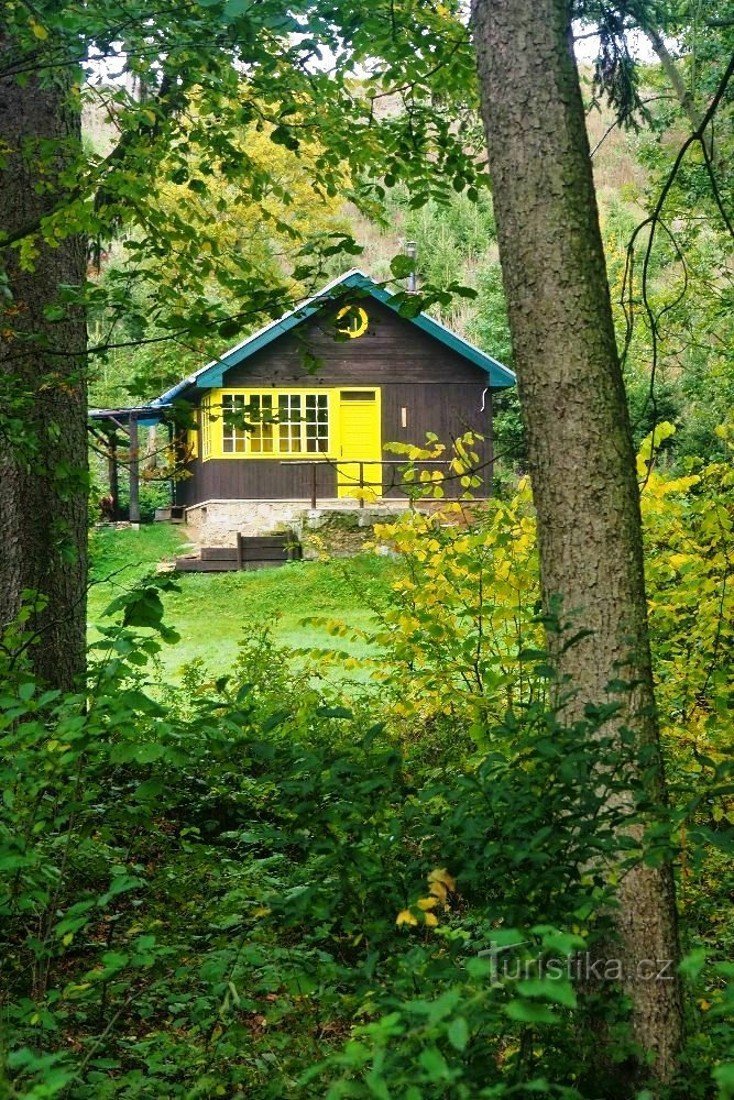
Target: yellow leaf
{"x":440,"y":874}
{"x":38,"y":30}
{"x":439,"y":891}
{"x":427,"y":903}
{"x":431,"y":920}
{"x":405,"y":917}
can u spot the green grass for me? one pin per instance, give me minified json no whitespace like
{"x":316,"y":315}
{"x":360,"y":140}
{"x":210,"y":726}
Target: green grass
{"x":213,"y":611}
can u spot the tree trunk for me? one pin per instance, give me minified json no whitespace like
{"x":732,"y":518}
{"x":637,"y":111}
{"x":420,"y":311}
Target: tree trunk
{"x":43,"y":476}
{"x":669,"y":66}
{"x":580,"y":448}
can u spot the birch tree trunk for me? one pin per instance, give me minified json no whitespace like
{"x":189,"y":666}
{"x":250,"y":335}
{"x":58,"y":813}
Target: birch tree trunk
{"x":42,"y":363}
{"x":580,"y":448}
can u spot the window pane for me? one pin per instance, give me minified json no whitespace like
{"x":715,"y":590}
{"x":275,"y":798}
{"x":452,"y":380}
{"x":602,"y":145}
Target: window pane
{"x":261,"y":412}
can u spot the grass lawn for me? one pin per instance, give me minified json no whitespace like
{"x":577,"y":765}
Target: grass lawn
{"x":213,"y":611}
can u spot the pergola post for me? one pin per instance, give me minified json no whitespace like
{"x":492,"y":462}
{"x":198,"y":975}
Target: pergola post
{"x":114,"y":476}
{"x":134,"y":469}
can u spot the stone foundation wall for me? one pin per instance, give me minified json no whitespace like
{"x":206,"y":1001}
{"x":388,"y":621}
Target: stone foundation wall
{"x":217,"y":522}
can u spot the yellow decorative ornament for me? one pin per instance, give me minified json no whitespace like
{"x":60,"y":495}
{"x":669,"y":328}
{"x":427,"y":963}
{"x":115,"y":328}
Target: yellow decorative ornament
{"x":355,"y":323}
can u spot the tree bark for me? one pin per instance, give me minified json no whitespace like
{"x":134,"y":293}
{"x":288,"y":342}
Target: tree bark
{"x":43,"y":465}
{"x":580,"y":449}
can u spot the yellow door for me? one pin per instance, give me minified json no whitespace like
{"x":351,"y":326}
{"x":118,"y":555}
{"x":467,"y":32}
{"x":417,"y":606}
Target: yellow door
{"x":359,"y":473}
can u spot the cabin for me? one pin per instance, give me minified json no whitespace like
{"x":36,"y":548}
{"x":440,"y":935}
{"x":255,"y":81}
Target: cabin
{"x":301,"y":414}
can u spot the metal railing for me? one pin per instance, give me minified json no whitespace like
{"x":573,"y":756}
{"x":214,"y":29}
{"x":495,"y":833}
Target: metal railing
{"x":359,"y":482}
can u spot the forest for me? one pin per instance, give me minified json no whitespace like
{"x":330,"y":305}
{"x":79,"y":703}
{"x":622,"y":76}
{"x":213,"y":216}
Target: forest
{"x":447,"y":809}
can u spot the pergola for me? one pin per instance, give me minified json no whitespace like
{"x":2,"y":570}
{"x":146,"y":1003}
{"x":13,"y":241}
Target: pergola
{"x":107,"y":426}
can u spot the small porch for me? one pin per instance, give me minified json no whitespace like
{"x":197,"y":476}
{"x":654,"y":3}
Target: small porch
{"x":115,"y":436}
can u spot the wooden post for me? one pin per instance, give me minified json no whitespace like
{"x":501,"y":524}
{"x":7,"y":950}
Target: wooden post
{"x":313,"y":486}
{"x":134,"y":470}
{"x":240,"y":550}
{"x":361,"y":483}
{"x":174,"y":467}
{"x":114,"y":476}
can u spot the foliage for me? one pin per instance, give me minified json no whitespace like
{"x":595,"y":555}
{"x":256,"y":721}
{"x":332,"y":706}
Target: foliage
{"x":450,"y":237}
{"x":220,"y":102}
{"x":255,"y":885}
{"x":453,"y":640}
{"x":466,"y":609}
{"x":256,"y":890}
{"x":248,"y":885}
{"x":234,"y":234}
{"x":490,"y":328}
{"x":689,"y":532}
{"x":217,"y":900}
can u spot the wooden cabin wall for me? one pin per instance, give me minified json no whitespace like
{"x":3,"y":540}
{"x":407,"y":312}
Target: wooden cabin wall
{"x":256,"y":479}
{"x":441,"y":392}
{"x":392,"y":350}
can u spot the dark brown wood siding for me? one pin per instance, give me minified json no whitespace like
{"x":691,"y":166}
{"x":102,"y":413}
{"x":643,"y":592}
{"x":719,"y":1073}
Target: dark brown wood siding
{"x":448,"y":410}
{"x":440,"y":391}
{"x":253,"y":479}
{"x":392,"y":350}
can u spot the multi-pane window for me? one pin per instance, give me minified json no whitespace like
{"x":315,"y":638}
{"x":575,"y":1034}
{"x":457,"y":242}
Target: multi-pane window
{"x":274,"y":423}
{"x":234,"y":434}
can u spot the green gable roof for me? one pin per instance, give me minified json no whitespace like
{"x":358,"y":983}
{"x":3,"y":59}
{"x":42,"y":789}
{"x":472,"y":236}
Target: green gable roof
{"x":212,"y":375}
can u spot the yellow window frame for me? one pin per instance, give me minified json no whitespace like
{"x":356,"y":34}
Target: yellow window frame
{"x":213,"y":422}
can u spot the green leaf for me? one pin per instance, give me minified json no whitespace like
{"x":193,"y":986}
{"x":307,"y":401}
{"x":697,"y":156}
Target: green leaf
{"x":281,"y":135}
{"x":121,"y":883}
{"x":402,"y":266}
{"x":141,"y":607}
{"x":526,"y":1012}
{"x":113,"y":962}
{"x":138,"y":754}
{"x":410,"y":306}
{"x":724,"y":1077}
{"x":557,"y":990}
{"x":434,"y":1064}
{"x":458,"y":1033}
{"x":723,"y":839}
{"x":480,"y":968}
{"x":693,"y":963}
{"x":508,"y":937}
{"x":229,"y":329}
{"x":233,"y":9}
{"x":561,"y":943}
{"x":274,"y":720}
